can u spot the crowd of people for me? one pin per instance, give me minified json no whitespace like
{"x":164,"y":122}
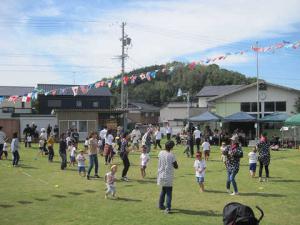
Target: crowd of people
{"x":108,"y":143}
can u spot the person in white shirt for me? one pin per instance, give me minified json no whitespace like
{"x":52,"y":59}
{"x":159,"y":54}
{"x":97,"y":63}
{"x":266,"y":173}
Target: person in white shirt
{"x":108,"y":149}
{"x":200,"y":167}
{"x":158,"y":136}
{"x":43,"y":136}
{"x":15,"y":149}
{"x":168,"y":132}
{"x":252,"y":162}
{"x":206,"y":149}
{"x":86,"y":144}
{"x":144,"y":161}
{"x":81,"y":163}
{"x":135,"y":138}
{"x":5,"y":152}
{"x":197,"y":136}
{"x":102,"y":135}
{"x":73,"y":154}
{"x":110,"y":180}
{"x":2,"y":140}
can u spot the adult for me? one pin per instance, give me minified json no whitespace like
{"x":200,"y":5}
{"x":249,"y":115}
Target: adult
{"x":108,"y":149}
{"x":93,"y":158}
{"x":197,"y":136}
{"x":2,"y":140}
{"x":135,"y":137}
{"x":190,"y":140}
{"x":49,"y":129}
{"x":158,"y":137}
{"x":102,"y":135}
{"x":264,"y":156}
{"x":124,"y":156}
{"x":169,"y":131}
{"x":233,"y":154}
{"x":27,"y":133}
{"x":166,"y":164}
{"x":147,"y":139}
{"x":63,"y":151}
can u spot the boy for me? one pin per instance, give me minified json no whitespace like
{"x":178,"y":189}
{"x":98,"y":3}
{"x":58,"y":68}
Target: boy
{"x":110,"y":181}
{"x":5,"y":146}
{"x":50,"y":143}
{"x":200,"y":167}
{"x":252,"y":162}
{"x":144,"y":161}
{"x":15,"y":149}
{"x":81,"y":163}
{"x":206,"y":149}
{"x":29,"y":140}
{"x":73,"y":154}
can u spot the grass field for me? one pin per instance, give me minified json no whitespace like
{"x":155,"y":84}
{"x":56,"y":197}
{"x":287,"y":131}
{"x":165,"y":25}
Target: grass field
{"x":29,"y":194}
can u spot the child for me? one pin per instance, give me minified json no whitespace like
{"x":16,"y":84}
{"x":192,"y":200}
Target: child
{"x":200,"y":167}
{"x":15,"y":149}
{"x":110,"y":181}
{"x":144,"y":161}
{"x":73,"y":154}
{"x":223,"y":148}
{"x":5,"y":146}
{"x":252,"y":162}
{"x":206,"y":149}
{"x":178,"y":139}
{"x":50,"y":143}
{"x":81,"y":163}
{"x":41,"y":146}
{"x":86,"y":144}
{"x":29,"y":140}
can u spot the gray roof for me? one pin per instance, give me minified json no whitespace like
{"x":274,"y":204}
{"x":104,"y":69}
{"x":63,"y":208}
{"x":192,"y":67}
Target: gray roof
{"x":103,"y":91}
{"x":143,"y":107}
{"x":206,"y":117}
{"x":239,"y":117}
{"x":210,"y":91}
{"x":275,"y":117}
{"x":15,"y":90}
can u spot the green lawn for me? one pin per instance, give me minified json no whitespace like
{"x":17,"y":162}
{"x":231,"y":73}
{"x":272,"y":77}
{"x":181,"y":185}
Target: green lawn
{"x":28,"y":194}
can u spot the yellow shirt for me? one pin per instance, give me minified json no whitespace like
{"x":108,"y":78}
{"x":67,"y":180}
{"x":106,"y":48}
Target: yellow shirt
{"x":50,"y":141}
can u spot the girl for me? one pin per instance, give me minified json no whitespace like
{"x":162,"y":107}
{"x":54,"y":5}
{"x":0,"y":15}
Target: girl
{"x":158,"y":136}
{"x":108,"y":149}
{"x":15,"y":149}
{"x":73,"y":154}
{"x":110,"y":180}
{"x":144,"y":161}
{"x":5,"y":146}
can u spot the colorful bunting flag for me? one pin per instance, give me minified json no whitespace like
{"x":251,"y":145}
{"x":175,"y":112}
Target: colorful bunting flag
{"x":75,"y":90}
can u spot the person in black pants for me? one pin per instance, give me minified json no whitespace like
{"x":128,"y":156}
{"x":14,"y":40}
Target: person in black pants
{"x":124,"y":156}
{"x":63,"y":151}
{"x":264,"y":156}
{"x":191,"y":143}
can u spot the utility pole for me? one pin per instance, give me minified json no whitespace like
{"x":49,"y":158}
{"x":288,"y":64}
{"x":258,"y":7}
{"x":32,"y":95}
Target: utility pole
{"x":257,"y":93}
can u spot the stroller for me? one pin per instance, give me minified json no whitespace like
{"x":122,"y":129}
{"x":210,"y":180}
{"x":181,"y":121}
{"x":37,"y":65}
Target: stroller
{"x":235,"y":213}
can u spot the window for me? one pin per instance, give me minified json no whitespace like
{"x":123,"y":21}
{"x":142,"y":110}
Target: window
{"x":280,"y":106}
{"x":245,"y":106}
{"x":8,"y":109}
{"x":95,"y":104}
{"x":73,"y":124}
{"x":78,"y":104}
{"x":269,"y":106}
{"x":54,"y":103}
{"x":82,"y":126}
{"x":254,"y":106}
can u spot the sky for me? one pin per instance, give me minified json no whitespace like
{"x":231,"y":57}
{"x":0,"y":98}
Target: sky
{"x":78,"y":41}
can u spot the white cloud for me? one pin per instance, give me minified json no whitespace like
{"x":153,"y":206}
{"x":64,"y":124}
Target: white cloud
{"x":160,"y":32}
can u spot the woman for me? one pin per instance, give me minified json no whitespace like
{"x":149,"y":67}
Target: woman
{"x":63,"y":151}
{"x":93,"y":158}
{"x":264,"y":157}
{"x":233,"y":154}
{"x":124,"y":156}
{"x":166,"y":164}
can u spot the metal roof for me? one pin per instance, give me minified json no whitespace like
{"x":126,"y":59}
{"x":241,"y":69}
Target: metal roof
{"x":15,"y":90}
{"x":210,"y":91}
{"x":143,"y":107}
{"x":275,"y":117}
{"x":102,"y":91}
{"x":239,"y":117}
{"x":206,"y":117}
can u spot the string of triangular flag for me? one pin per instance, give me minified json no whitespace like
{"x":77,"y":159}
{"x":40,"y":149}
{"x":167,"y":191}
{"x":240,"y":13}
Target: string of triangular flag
{"x":148,"y":76}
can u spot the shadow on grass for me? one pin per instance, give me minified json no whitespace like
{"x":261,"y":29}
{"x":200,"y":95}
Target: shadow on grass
{"x":263,"y":195}
{"x":74,"y":193}
{"x":27,"y":167}
{"x":195,"y":212}
{"x":5,"y":206}
{"x":128,"y":185}
{"x":41,"y":199}
{"x":59,"y":196}
{"x":89,"y":191}
{"x":286,"y":181}
{"x":146,"y":181}
{"x":24,"y":202}
{"x":216,"y":191}
{"x":127,"y":199}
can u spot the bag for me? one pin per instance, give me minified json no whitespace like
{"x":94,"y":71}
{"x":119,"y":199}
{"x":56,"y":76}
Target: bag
{"x":235,"y":213}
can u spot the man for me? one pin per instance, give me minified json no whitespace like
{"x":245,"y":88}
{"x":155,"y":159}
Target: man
{"x":168,"y":132}
{"x":102,"y":136}
{"x":197,"y":136}
{"x":135,"y":137}
{"x":166,"y":165}
{"x":2,"y":140}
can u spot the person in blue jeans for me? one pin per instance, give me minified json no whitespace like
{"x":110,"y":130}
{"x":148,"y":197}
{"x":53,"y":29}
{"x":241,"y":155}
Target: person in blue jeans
{"x":93,"y":158}
{"x":166,"y":165}
{"x":233,"y":154}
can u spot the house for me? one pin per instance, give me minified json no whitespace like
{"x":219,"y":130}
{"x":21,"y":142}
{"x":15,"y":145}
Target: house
{"x":142,"y":113}
{"x":85,"y":112}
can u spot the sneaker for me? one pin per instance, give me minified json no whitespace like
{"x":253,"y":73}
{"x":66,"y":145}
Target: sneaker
{"x":96,"y":176}
{"x":260,"y":179}
{"x":88,"y":177}
{"x":167,"y":211}
{"x":105,"y":196}
{"x":124,"y":179}
{"x":234,"y":193}
{"x":228,"y":191}
{"x":162,"y":208}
